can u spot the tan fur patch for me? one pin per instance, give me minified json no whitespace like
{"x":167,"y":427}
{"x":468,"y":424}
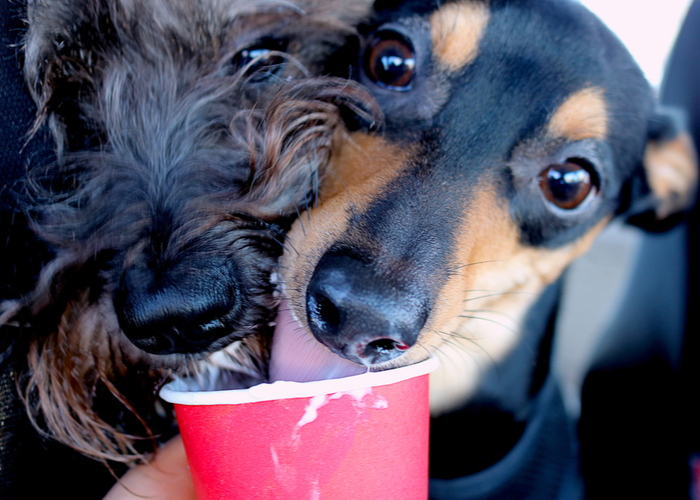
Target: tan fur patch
{"x":456,"y":30}
{"x":672,"y":172}
{"x":359,"y":169}
{"x":583,"y":115}
{"x":483,"y":306}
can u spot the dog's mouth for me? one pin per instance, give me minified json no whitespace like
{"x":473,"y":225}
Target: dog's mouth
{"x":296,"y":355}
{"x":190,"y":343}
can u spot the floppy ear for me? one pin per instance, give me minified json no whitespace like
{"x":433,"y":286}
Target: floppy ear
{"x":62,"y":51}
{"x":670,"y":174}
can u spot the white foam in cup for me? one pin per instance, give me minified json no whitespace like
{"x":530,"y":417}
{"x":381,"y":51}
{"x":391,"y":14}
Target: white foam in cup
{"x":187,"y":392}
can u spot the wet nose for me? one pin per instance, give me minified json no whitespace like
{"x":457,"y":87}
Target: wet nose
{"x":183,"y":309}
{"x":359,"y":314}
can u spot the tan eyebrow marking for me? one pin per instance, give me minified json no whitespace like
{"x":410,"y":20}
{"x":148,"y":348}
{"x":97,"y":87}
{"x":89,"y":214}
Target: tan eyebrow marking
{"x":583,"y":115}
{"x":456,"y":30}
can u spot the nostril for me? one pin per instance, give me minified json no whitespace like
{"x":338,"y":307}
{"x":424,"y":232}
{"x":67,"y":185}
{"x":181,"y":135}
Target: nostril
{"x":323,"y":312}
{"x":361,"y":314}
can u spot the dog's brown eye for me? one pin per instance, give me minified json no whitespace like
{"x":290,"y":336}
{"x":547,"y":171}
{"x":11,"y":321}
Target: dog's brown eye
{"x":390,"y":61}
{"x":569,"y":184}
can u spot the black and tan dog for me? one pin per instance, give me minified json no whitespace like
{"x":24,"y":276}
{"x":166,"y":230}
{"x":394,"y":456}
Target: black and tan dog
{"x":187,"y":135}
{"x":515,"y":131}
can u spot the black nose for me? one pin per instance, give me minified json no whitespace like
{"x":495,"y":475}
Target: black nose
{"x":359,"y":314}
{"x":182,"y":309}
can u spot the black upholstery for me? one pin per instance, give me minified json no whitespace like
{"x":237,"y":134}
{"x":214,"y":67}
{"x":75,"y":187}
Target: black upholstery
{"x":30,"y":467}
{"x":639,"y":419}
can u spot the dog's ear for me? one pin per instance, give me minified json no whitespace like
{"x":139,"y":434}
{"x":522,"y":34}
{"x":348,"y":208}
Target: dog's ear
{"x":667,"y":188}
{"x":62,"y":51}
{"x":302,"y":124}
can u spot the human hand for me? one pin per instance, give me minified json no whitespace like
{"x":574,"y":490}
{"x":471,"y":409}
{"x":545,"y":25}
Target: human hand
{"x":166,"y":478}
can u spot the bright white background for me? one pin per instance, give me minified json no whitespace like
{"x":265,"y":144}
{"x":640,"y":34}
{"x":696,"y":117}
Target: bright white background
{"x":647,"y":27}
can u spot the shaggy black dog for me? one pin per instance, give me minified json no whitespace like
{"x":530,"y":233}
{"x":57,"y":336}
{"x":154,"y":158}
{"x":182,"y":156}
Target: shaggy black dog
{"x":188,"y":135}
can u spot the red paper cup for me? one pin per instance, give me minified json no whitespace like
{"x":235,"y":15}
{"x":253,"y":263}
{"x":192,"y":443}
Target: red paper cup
{"x":363,"y":437}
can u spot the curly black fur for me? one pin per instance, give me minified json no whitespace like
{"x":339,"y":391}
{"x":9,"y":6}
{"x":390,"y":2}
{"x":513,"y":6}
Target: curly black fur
{"x":184,"y":151}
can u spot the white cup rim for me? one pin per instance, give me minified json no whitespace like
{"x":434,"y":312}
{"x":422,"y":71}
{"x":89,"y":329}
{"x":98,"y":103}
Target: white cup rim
{"x":178,"y":391}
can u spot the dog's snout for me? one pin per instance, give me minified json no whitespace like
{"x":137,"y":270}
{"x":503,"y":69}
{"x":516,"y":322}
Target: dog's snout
{"x":359,"y":314}
{"x":175,"y":312}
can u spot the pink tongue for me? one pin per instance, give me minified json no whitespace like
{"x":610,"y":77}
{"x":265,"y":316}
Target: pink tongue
{"x":297,"y":356}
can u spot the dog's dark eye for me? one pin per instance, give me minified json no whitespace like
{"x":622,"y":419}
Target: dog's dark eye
{"x":569,"y":184}
{"x":390,"y":61}
{"x":262,"y":60}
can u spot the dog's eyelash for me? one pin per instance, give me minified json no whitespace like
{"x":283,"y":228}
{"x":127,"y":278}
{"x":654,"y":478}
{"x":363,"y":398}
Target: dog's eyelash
{"x":261,"y":60}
